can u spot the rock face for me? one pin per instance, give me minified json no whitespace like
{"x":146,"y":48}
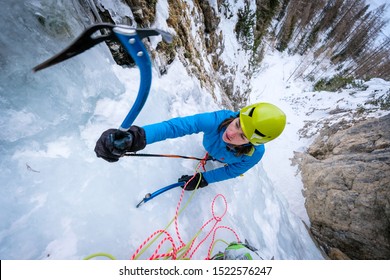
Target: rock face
{"x":198,"y":42}
{"x":346,"y":175}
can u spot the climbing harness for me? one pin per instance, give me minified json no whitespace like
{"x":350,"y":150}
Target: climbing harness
{"x":131,"y":39}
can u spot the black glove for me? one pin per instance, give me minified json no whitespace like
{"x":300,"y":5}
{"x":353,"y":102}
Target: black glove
{"x":114,"y":143}
{"x":194,"y":182}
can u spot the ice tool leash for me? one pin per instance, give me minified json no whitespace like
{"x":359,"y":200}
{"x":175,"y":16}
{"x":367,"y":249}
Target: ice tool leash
{"x":131,"y":39}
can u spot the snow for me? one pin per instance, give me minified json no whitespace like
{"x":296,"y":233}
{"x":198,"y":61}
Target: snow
{"x":59,"y":201}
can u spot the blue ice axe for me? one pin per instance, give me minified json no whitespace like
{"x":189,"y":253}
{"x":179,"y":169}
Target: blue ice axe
{"x":131,"y":39}
{"x":152,"y":195}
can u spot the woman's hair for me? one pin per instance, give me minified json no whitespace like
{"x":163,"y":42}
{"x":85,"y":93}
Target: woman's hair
{"x":241,"y":149}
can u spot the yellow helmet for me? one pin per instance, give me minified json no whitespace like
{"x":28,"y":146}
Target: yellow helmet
{"x":262,"y":122}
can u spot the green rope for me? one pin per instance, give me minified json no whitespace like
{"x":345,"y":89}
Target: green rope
{"x":170,"y":223}
{"x":158,"y":235}
{"x":100,"y":255}
{"x":215,"y":242}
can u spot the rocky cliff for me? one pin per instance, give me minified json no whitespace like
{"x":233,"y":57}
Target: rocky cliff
{"x":198,"y":43}
{"x":221,"y":43}
{"x":346,"y":175}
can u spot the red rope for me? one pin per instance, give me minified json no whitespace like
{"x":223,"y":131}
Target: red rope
{"x":212,"y":241}
{"x":173,"y":254}
{"x":214,"y":228}
{"x":203,"y":162}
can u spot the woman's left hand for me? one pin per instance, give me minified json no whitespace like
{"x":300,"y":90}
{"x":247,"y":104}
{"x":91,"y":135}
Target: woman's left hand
{"x":193,"y":181}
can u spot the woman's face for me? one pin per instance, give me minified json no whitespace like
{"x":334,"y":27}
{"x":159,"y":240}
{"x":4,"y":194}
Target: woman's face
{"x":234,"y":134}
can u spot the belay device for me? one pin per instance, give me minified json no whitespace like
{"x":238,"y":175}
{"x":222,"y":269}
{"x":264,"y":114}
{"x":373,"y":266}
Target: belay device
{"x":131,"y":39}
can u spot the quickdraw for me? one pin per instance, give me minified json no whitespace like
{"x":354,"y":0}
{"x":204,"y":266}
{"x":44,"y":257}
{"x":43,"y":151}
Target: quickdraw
{"x":131,"y":39}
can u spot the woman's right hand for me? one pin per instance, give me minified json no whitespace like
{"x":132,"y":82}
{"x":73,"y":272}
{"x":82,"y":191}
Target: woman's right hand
{"x":114,"y":143}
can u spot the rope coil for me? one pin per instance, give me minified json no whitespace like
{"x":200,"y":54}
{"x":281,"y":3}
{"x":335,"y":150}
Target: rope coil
{"x":183,"y":250}
{"x":182,"y":245}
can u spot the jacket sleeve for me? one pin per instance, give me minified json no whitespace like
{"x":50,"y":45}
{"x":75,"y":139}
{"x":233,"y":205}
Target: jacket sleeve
{"x":178,"y":127}
{"x":233,"y":170}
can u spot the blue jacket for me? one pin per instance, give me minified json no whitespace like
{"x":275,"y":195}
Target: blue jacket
{"x":207,"y":123}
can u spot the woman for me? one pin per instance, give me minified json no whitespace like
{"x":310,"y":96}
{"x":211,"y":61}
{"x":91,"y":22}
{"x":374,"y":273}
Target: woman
{"x":234,"y":138}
